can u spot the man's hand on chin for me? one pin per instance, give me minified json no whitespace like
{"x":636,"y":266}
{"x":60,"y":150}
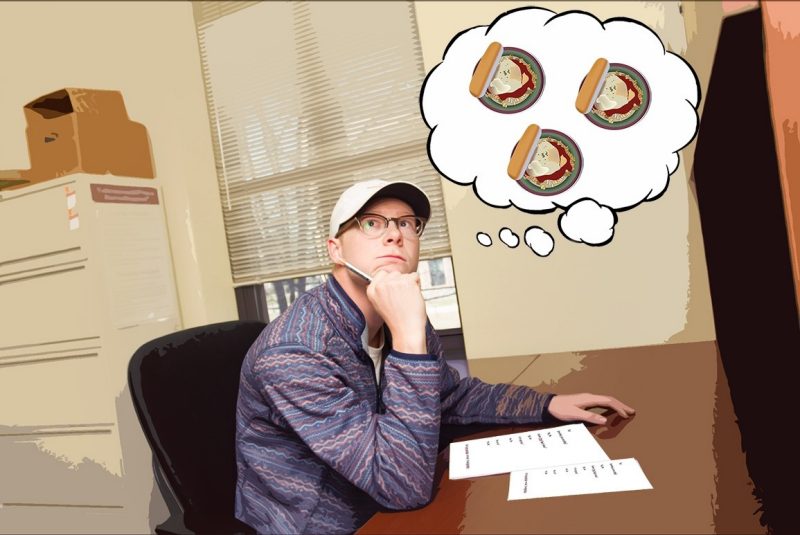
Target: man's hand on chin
{"x":397,"y":297}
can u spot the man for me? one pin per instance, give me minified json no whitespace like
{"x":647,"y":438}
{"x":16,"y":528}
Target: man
{"x":342,"y":396}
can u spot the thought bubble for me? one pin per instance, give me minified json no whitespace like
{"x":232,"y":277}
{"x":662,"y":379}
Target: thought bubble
{"x":616,"y":159}
{"x":508,"y":237}
{"x":588,"y":222}
{"x":484,"y":239}
{"x":539,"y":240}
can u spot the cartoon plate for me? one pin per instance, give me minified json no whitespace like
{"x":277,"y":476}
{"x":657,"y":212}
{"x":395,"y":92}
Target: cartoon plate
{"x":516,"y":83}
{"x":623,"y":99}
{"x":555,"y":166}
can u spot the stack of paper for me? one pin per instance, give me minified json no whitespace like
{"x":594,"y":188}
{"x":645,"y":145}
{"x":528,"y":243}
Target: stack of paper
{"x":560,"y":461}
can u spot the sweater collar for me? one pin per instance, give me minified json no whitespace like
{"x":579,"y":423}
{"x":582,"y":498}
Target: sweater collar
{"x":348,"y":317}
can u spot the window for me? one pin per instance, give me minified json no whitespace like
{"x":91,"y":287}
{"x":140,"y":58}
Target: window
{"x":304,"y":99}
{"x":438,"y":289}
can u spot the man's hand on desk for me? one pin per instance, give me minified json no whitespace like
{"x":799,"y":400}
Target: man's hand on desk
{"x":572,"y":407}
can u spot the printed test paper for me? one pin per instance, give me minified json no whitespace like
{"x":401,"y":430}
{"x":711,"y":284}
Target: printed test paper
{"x":566,"y":444}
{"x":583,"y":478}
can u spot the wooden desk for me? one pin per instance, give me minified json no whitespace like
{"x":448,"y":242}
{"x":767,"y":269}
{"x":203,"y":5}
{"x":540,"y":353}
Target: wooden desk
{"x":684,"y":435}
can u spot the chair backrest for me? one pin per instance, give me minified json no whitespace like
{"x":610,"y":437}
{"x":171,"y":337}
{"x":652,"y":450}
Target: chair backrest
{"x":184,"y":388}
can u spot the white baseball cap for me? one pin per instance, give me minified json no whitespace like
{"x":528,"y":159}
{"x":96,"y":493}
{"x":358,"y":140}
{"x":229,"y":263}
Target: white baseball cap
{"x":359,"y":194}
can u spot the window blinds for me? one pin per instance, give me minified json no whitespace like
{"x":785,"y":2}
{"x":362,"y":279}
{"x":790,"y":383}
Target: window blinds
{"x":305,"y":99}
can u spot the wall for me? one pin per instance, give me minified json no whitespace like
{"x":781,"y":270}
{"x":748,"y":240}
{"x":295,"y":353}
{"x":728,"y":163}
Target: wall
{"x":648,"y":286}
{"x":149,"y":52}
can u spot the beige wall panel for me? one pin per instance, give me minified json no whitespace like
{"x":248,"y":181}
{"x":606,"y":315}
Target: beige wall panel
{"x":149,"y":52}
{"x":648,"y":286}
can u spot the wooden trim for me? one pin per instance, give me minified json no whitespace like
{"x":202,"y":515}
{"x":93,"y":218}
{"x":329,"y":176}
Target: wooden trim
{"x":781,"y":21}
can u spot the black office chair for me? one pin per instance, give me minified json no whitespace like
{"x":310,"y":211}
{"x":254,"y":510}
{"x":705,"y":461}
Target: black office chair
{"x":184,"y":388}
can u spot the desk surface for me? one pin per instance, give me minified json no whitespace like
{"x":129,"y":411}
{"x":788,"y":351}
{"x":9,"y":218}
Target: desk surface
{"x":684,"y":435}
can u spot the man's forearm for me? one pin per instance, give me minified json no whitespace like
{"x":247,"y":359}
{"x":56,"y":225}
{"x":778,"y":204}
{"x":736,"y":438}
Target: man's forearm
{"x":410,"y":343}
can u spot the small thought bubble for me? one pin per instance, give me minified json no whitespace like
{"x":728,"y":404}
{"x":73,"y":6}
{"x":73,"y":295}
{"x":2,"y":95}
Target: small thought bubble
{"x":484,"y":239}
{"x":588,"y":222}
{"x":539,"y":241}
{"x":508,"y":237}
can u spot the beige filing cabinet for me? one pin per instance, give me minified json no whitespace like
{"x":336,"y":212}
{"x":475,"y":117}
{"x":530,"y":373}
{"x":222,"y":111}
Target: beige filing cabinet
{"x":86,"y":277}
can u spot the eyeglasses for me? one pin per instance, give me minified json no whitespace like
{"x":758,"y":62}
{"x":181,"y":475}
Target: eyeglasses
{"x":376,"y":225}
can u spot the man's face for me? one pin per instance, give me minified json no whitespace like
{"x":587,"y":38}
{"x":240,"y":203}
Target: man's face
{"x":391,"y":252}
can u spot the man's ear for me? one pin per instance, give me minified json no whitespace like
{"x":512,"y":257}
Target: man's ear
{"x":335,"y":250}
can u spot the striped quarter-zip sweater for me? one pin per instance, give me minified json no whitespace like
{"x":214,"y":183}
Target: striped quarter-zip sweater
{"x":320,"y":447}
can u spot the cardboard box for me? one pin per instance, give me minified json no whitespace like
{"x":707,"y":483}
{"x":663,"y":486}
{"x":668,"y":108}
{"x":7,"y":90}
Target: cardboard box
{"x":85,"y":131}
